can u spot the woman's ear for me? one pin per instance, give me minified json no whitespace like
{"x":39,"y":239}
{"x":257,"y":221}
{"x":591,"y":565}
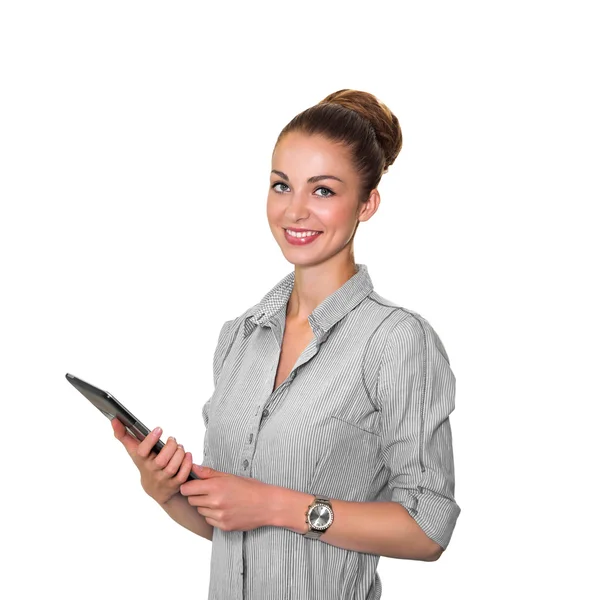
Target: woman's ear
{"x":369,"y":208}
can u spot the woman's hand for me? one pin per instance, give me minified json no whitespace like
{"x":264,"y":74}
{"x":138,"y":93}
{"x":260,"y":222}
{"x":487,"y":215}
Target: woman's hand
{"x":161,"y":474}
{"x":229,"y":502}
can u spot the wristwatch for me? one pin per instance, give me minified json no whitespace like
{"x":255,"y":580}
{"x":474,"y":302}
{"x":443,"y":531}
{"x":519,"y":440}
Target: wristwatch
{"x":319,"y":517}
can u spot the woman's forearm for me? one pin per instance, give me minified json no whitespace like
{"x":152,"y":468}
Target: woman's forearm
{"x":180,"y":510}
{"x":382,"y":528}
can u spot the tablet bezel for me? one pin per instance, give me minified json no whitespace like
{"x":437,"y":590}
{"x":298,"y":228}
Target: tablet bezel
{"x":110,"y":407}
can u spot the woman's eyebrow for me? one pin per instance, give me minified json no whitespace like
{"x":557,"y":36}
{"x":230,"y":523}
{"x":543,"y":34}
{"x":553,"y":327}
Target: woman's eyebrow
{"x":313,"y":179}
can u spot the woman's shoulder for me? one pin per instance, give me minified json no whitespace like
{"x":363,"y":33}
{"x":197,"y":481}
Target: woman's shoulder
{"x":382,"y":309}
{"x":231,"y":326}
{"x":402,"y":323}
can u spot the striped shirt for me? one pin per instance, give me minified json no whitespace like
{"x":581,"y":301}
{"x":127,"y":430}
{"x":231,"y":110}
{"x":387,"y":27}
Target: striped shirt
{"x":363,"y":416}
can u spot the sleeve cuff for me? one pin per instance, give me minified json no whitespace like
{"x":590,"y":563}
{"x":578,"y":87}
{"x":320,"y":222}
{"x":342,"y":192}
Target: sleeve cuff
{"x":436,"y":515}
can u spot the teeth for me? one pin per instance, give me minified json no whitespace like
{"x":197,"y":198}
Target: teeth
{"x":301,"y":233}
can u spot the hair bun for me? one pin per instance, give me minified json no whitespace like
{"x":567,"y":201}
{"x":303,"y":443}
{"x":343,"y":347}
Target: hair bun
{"x":384,"y":121}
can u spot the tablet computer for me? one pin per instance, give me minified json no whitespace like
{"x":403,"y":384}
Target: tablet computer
{"x":108,"y":405}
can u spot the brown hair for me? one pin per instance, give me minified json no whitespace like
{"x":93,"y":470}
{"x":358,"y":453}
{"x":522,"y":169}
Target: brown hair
{"x":361,"y":122}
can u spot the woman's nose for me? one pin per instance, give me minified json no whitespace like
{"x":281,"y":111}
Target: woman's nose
{"x":297,"y":207}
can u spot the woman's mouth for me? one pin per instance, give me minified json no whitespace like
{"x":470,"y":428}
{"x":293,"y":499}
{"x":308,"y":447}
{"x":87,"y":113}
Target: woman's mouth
{"x":301,"y":238}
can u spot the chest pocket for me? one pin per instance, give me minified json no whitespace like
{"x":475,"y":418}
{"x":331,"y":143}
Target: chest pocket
{"x":350,"y":466}
{"x":349,"y":463}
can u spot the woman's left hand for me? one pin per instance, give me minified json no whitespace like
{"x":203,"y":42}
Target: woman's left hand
{"x":229,"y":502}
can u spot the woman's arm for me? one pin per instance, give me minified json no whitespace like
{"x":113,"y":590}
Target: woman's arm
{"x":179,"y":509}
{"x":235,"y":503}
{"x":382,"y":528}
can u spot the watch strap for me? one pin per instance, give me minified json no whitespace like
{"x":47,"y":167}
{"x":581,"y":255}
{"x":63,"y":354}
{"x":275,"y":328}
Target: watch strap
{"x":313,"y":534}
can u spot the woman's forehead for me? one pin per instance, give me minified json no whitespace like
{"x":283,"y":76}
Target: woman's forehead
{"x":306,"y":152}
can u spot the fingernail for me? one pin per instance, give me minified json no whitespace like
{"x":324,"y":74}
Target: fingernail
{"x":179,"y":446}
{"x":157,"y":430}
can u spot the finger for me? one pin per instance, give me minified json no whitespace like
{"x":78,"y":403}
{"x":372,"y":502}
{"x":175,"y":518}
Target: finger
{"x":210,"y":513}
{"x":196,"y":487}
{"x":146,"y":445}
{"x":185,"y":468}
{"x":161,"y":460}
{"x":172,"y":467}
{"x":212,"y":522}
{"x":123,"y":436}
{"x":201,"y":500}
{"x":118,"y":427}
{"x":206,"y":472}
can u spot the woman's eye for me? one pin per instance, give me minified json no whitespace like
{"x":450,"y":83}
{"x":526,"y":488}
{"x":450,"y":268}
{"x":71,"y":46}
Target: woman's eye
{"x":329,"y":192}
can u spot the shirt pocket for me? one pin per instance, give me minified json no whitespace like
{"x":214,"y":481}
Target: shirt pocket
{"x":349,"y":465}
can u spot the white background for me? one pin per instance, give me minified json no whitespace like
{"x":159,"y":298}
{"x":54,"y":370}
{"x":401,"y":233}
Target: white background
{"x":135,"y":147}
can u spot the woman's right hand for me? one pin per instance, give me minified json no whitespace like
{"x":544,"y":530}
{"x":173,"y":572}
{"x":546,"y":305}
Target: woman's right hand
{"x":161,"y":474}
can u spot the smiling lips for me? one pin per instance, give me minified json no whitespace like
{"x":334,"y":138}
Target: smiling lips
{"x":301,"y":238}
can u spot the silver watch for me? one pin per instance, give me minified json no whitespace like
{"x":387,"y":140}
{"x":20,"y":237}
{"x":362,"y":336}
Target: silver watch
{"x":319,"y":517}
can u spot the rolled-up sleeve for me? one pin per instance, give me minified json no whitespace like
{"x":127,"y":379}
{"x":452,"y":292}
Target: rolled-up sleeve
{"x":415,"y":392}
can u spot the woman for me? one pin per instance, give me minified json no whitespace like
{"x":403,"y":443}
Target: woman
{"x":328,"y":441}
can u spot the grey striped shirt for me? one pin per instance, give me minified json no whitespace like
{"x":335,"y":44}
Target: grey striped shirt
{"x":363,"y":416}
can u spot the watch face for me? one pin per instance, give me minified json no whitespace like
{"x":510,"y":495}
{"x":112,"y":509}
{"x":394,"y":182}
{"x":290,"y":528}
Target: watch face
{"x":320,"y":516}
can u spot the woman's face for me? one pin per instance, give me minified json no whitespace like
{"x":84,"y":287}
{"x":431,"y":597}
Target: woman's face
{"x":298,"y":201}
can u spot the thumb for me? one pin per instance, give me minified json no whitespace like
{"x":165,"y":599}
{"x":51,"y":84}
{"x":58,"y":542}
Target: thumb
{"x":205,"y":472}
{"x":123,"y":436}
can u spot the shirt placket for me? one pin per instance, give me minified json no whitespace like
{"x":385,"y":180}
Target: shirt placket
{"x":261,"y":414}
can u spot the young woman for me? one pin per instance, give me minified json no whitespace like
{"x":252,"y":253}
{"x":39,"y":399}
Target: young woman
{"x":328,"y":440}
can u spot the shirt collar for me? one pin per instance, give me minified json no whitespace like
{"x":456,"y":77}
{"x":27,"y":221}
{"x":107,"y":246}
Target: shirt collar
{"x":337,"y":305}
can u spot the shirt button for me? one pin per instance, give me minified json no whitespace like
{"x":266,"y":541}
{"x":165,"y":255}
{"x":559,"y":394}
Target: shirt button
{"x":251,"y":437}
{"x":245,"y":463}
{"x":265,"y":413}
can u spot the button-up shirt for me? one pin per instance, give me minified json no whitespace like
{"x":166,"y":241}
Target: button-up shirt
{"x":363,"y":416}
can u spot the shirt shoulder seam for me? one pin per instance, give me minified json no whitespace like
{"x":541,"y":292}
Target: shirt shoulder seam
{"x":368,"y":345}
{"x":423,"y":335}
